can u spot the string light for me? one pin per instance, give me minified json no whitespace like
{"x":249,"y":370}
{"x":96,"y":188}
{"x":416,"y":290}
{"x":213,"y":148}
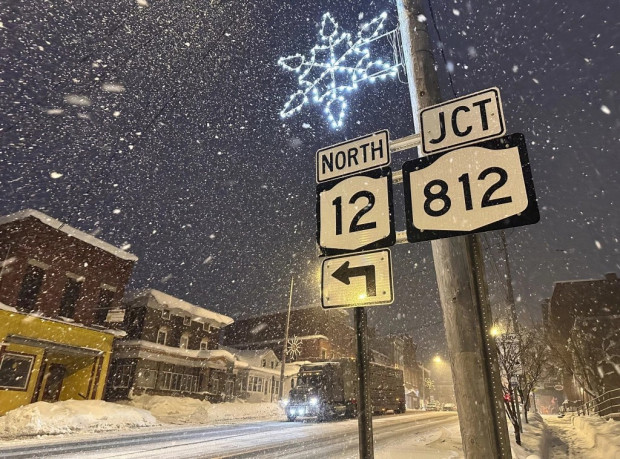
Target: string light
{"x":334,"y":68}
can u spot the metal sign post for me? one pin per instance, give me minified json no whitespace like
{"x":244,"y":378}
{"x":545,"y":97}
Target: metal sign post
{"x":364,"y":405}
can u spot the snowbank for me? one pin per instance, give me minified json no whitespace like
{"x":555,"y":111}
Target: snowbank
{"x":534,"y":439}
{"x":604,"y":434}
{"x":42,"y":418}
{"x":177,"y":410}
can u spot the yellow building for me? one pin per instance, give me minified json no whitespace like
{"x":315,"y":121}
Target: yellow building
{"x":43,"y":359}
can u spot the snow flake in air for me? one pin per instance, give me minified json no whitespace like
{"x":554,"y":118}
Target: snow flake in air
{"x":334,"y":68}
{"x":77,"y":99}
{"x":55,"y":175}
{"x":456,"y":12}
{"x":116,"y":211}
{"x":598,"y":245}
{"x":605,"y":109}
{"x":113,"y":87}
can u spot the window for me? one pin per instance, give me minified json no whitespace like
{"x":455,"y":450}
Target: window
{"x":323,"y":354}
{"x":15,"y":371}
{"x":206,"y":327}
{"x":187,"y":320}
{"x":121,"y":376}
{"x":31,"y":286}
{"x":184,"y":344}
{"x":70,"y":297}
{"x":255,"y":384}
{"x":263,"y":363}
{"x":146,"y":379}
{"x":204,"y":344}
{"x":165,"y":314}
{"x":272,"y":364}
{"x":106,"y":297}
{"x":162,"y":334}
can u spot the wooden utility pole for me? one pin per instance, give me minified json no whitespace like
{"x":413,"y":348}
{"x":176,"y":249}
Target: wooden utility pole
{"x":288,"y":320}
{"x":460,"y":277}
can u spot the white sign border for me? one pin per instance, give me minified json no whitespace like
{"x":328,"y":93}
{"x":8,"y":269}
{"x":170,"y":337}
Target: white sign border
{"x":498,"y":98}
{"x":348,"y":255}
{"x":374,"y":166}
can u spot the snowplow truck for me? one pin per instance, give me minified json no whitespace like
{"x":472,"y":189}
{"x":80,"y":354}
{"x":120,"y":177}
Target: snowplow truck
{"x":329,"y":389}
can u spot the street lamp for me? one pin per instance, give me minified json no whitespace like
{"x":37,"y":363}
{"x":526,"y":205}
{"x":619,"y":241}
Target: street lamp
{"x":437,"y":359}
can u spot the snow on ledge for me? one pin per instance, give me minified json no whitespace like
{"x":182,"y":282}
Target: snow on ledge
{"x":43,"y":418}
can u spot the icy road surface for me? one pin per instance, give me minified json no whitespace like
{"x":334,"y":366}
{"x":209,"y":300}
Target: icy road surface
{"x":424,"y":435}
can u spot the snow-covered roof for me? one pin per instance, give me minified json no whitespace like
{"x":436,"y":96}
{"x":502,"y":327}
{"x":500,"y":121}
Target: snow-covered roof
{"x":179,"y":306}
{"x":73,"y":232}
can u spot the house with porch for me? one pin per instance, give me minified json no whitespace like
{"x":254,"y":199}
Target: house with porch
{"x":171,"y":348}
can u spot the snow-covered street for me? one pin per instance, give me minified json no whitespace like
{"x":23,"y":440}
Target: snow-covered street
{"x":419,"y":434}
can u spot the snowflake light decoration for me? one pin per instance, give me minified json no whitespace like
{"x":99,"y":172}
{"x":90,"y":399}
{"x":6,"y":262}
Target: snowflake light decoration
{"x":335,"y":67}
{"x":294,"y":347}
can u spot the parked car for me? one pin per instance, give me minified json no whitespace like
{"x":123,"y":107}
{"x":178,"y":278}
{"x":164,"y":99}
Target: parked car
{"x":449,"y":407}
{"x":432,"y":406}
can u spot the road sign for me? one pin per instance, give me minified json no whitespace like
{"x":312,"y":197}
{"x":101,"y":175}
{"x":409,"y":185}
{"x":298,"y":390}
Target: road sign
{"x":463,"y":121}
{"x":363,"y":279}
{"x":356,"y":213}
{"x":473,"y":189}
{"x":347,"y":158}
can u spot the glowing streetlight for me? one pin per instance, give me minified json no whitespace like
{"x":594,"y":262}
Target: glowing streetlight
{"x":437,"y":359}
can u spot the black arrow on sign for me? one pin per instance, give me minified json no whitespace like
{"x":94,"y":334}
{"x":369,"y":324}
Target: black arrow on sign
{"x":344,"y":273}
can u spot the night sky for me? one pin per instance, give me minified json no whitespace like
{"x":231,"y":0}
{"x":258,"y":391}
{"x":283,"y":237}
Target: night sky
{"x":155,"y":126}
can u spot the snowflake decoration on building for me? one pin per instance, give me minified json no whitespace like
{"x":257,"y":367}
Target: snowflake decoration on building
{"x":294,"y":348}
{"x":335,"y":67}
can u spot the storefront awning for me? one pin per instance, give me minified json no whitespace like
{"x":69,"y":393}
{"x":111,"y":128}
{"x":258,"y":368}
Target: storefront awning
{"x":53,"y":346}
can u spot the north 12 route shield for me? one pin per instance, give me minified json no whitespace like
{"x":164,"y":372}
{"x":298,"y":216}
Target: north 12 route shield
{"x":356,"y":213}
{"x":478,"y":188}
{"x":363,"y":279}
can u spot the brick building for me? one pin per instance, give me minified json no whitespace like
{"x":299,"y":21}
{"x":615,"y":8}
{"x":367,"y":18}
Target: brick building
{"x":171,"y":348}
{"x":582,"y":323}
{"x":314,"y":333}
{"x":60,"y":294}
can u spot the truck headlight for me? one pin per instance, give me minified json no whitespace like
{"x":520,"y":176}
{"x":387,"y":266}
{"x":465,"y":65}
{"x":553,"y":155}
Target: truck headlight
{"x":314,"y":401}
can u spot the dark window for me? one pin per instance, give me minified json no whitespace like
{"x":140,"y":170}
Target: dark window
{"x":15,"y":371}
{"x":31,"y":286}
{"x":162,"y":334}
{"x":187,"y":320}
{"x":165,"y":314}
{"x":105,"y":303}
{"x":70,"y":298}
{"x":122,"y":375}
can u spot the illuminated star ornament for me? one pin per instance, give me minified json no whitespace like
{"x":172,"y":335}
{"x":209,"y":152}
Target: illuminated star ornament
{"x":294,"y":348}
{"x":335,"y":67}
